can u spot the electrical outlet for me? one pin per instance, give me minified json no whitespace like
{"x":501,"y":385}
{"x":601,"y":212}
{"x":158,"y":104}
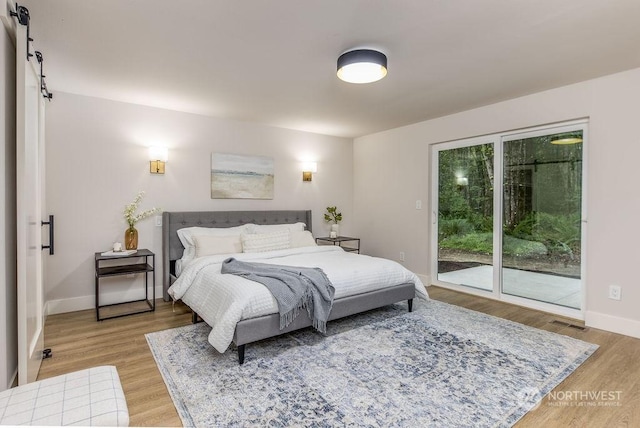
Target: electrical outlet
{"x":418,"y":204}
{"x":401,"y":256}
{"x":615,"y":292}
{"x":159,"y":220}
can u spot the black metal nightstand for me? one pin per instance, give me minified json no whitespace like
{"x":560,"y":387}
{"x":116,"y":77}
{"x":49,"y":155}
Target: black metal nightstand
{"x":130,"y":266}
{"x":339,"y":240}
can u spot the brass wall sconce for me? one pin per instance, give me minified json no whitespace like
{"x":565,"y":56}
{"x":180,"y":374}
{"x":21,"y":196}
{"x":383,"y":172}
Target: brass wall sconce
{"x":157,"y":159}
{"x":308,"y":168}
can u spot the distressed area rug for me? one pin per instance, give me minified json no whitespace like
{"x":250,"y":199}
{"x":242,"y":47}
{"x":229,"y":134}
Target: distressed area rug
{"x":441,"y":365}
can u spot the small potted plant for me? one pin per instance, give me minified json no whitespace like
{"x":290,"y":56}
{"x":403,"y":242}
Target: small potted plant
{"x":333,"y":216}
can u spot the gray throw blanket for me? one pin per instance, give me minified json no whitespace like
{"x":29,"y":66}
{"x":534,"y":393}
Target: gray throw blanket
{"x":293,"y":288}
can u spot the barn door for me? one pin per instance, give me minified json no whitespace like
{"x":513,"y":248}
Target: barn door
{"x":29,"y":179}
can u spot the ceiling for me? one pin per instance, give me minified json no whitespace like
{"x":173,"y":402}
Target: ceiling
{"x":274,"y":62}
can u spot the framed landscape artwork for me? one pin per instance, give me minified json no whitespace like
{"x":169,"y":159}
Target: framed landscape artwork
{"x":241,"y":177}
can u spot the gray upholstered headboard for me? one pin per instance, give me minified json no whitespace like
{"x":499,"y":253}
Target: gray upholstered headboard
{"x":172,"y":221}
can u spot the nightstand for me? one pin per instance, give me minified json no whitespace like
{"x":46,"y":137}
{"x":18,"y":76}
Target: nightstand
{"x":141,"y":262}
{"x":353,"y":247}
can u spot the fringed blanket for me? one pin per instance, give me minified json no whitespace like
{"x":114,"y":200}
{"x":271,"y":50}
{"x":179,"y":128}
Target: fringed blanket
{"x":293,"y":288}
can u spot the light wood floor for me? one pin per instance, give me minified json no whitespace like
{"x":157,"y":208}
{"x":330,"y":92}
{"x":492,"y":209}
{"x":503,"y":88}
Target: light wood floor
{"x":79,"y":342}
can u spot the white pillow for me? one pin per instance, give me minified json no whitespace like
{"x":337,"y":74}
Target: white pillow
{"x":302,"y":239}
{"x":209,"y":245}
{"x":269,"y":228}
{"x":186,"y":234}
{"x":187,"y":255}
{"x":260,"y":242}
{"x":178,"y":267}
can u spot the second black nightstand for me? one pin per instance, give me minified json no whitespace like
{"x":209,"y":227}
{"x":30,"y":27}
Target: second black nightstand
{"x":353,"y":247}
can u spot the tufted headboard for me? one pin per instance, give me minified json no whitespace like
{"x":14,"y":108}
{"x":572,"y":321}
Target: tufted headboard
{"x":172,"y":221}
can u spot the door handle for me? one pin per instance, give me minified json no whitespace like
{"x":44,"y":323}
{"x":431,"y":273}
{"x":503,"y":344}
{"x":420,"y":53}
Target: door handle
{"x":50,"y":246}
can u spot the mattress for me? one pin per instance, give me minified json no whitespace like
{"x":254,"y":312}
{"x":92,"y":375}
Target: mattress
{"x":223,"y":300}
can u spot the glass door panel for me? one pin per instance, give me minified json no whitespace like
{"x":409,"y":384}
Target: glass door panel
{"x":542,"y":206}
{"x":465,"y":216}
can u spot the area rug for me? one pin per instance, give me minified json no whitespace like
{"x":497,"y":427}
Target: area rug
{"x":440,"y":365}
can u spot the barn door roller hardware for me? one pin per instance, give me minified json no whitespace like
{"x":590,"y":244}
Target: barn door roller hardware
{"x":43,"y":85}
{"x":22,"y":14}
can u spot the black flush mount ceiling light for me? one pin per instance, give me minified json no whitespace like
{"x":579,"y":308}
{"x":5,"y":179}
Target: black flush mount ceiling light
{"x":362,"y":66}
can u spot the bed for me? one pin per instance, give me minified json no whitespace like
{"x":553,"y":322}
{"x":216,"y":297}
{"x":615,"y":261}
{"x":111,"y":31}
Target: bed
{"x":245,"y":328}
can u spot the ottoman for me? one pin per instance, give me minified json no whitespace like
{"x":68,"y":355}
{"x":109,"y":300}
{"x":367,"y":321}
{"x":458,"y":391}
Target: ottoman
{"x":91,"y":397}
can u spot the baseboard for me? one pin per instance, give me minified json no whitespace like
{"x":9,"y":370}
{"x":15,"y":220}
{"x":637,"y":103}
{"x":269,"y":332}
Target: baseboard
{"x":73,"y":304}
{"x":61,"y":306}
{"x":591,"y":319}
{"x":426,"y":279}
{"x":14,"y":380}
{"x":612,"y":323}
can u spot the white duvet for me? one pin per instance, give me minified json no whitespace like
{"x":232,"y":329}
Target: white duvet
{"x":223,"y":300}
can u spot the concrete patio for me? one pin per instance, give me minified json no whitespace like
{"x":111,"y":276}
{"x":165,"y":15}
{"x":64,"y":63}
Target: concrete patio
{"x":543,"y":287}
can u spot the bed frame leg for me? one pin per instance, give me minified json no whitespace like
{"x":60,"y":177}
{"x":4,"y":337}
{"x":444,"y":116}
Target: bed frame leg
{"x":194,"y":317}
{"x":241,"y":354}
{"x":410,"y":303}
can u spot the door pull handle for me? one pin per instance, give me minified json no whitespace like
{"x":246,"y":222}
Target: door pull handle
{"x":50,"y":246}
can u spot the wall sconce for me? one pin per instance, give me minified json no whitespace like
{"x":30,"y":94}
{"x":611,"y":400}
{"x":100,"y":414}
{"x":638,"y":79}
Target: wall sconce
{"x":308,"y":168}
{"x":157,"y":158}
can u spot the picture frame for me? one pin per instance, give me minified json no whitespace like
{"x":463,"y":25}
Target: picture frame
{"x":241,"y":177}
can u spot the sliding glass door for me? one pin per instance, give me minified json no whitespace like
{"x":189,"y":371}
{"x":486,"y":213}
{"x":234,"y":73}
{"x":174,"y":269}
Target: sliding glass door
{"x":508,"y":216}
{"x":465,"y":215}
{"x":542,"y":216}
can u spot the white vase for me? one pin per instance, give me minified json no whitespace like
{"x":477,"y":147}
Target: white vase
{"x":335,"y":229}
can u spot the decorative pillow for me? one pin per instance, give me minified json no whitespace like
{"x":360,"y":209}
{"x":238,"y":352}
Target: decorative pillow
{"x":302,"y":239}
{"x":186,"y":234}
{"x":209,"y":245}
{"x":260,"y":242}
{"x":269,"y":228}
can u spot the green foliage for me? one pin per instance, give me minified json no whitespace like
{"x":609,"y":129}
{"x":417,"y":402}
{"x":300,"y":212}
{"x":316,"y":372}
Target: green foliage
{"x":480,"y":222}
{"x":473,"y":242}
{"x":561,"y":228}
{"x":475,"y":195}
{"x":454,"y":226}
{"x":521,"y":247}
{"x":560,"y":233}
{"x":537,"y":175}
{"x":332,"y":215}
{"x":483,"y":243}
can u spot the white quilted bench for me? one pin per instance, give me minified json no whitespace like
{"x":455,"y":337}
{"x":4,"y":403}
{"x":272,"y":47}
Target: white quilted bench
{"x":91,"y":397}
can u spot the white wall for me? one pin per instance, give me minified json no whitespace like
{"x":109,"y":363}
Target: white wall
{"x":391,"y":171}
{"x":97,"y":162}
{"x":8,"y":320}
